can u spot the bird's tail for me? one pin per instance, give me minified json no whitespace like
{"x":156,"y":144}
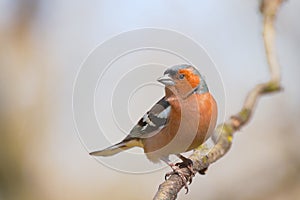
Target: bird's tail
{"x":117,"y":148}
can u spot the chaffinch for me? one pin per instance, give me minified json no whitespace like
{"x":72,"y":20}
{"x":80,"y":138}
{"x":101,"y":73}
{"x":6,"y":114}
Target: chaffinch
{"x":181,"y":121}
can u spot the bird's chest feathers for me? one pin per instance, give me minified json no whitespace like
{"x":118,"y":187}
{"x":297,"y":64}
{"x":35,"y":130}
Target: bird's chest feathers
{"x":185,"y":113}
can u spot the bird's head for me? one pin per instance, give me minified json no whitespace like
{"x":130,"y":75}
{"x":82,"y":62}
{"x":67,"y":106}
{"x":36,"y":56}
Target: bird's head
{"x":183,"y":80}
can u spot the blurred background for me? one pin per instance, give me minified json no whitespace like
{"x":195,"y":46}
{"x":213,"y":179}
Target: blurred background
{"x":42,"y":45}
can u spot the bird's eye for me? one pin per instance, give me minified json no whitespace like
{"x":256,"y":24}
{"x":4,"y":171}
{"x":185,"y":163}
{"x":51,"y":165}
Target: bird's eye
{"x":181,"y":76}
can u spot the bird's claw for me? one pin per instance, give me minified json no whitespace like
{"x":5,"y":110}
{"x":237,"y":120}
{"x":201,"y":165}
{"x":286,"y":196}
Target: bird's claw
{"x":188,"y":163}
{"x":185,"y":177}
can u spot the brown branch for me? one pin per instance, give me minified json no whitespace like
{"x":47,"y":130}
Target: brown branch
{"x":169,"y":189}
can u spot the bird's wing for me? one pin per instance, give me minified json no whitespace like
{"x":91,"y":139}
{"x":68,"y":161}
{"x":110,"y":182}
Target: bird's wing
{"x":154,"y":120}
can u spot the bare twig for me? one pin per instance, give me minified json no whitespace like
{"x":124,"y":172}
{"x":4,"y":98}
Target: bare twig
{"x":169,"y":189}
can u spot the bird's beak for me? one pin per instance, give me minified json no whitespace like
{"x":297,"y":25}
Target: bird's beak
{"x":166,"y":80}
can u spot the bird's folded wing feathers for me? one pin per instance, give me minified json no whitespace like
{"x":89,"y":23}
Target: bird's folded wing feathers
{"x":154,"y":120}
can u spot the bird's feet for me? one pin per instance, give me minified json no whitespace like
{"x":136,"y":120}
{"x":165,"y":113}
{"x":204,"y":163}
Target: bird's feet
{"x":179,"y":169}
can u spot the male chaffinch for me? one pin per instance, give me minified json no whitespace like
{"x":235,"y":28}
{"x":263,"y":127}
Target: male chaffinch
{"x":181,"y":121}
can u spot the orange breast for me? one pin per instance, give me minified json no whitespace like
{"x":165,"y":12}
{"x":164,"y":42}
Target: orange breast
{"x":191,"y":122}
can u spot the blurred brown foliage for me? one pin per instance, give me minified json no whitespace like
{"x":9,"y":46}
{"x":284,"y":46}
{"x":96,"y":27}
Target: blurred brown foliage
{"x":21,"y":103}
